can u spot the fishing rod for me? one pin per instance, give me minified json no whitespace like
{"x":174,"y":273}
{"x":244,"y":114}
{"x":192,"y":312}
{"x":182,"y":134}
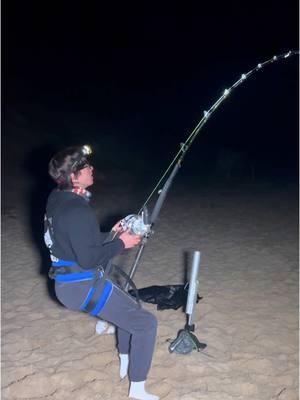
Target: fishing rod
{"x":141,"y":223}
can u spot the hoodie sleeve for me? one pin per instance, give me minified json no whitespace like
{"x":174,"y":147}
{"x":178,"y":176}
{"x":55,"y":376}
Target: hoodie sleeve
{"x":87,"y":241}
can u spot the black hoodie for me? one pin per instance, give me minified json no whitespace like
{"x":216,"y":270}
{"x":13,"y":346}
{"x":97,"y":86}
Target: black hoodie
{"x":76,"y":233}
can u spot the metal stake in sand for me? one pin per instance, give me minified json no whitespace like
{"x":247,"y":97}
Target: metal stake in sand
{"x":186,"y":341}
{"x":193,"y":288}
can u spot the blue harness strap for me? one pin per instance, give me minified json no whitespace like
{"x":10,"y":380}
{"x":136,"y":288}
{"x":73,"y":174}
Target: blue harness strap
{"x":88,"y":298}
{"x":100,"y":302}
{"x":94,"y":302}
{"x":108,"y":288}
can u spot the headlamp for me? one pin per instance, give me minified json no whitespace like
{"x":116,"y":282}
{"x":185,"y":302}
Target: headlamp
{"x":81,"y":161}
{"x":86,"y":150}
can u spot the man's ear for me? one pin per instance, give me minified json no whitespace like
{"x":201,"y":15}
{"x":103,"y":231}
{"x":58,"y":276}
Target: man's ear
{"x":73,"y":179}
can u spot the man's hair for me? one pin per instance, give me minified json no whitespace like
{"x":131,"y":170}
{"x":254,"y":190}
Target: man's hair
{"x":64,"y":163}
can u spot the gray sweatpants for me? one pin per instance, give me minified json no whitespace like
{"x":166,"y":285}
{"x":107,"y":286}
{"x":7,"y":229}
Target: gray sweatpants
{"x":136,"y":331}
{"x":136,"y":327}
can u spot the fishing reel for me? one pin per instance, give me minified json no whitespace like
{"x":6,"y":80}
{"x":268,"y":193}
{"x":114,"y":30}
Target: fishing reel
{"x":137,"y":224}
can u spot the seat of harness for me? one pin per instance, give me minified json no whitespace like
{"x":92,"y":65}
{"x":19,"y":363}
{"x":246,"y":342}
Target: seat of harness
{"x":69,"y":271}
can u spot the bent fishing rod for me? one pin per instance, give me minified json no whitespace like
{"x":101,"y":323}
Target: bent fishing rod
{"x":142,"y":223}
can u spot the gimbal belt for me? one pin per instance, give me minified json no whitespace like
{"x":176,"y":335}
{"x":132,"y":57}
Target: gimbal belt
{"x":68,"y":271}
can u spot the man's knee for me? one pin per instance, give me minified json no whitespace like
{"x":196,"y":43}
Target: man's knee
{"x":151,"y":322}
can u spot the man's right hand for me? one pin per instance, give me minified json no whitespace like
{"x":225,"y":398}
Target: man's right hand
{"x":130,"y":240}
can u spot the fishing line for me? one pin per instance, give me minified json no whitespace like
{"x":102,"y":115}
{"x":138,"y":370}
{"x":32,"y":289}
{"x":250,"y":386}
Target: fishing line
{"x":143,"y":222}
{"x":207,"y":114}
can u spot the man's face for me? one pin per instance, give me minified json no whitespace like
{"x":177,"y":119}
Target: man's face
{"x":84,"y":177}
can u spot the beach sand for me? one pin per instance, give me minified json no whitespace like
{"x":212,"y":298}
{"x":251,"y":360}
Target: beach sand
{"x":248,"y":317}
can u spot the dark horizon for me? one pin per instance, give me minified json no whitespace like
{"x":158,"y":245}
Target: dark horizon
{"x":135,"y":87}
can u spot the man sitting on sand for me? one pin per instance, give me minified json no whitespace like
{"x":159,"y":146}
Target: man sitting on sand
{"x":80,"y":252}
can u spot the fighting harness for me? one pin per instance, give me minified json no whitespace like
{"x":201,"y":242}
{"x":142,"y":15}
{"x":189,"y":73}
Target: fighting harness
{"x":68,"y":271}
{"x":65,"y":271}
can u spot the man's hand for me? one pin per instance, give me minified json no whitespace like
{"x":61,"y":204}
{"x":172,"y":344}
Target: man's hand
{"x":117,"y":227}
{"x":130,"y":240}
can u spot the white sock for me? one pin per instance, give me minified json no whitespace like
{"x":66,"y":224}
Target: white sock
{"x":111,"y":329}
{"x":124,"y":361}
{"x":101,"y":326}
{"x":137,"y":391}
{"x":104,"y":327}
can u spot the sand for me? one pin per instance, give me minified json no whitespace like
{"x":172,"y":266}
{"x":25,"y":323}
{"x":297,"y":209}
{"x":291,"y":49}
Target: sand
{"x":248,"y":317}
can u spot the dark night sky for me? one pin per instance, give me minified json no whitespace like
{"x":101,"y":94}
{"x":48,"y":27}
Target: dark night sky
{"x":141,"y":80}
